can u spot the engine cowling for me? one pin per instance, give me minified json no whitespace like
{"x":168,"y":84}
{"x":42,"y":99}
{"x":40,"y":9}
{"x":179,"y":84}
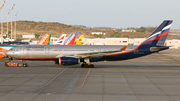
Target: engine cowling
{"x":68,"y":61}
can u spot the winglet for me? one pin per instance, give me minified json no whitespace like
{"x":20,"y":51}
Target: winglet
{"x":124,"y":48}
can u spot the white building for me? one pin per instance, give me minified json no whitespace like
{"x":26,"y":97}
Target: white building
{"x":98,"y":33}
{"x":138,"y":41}
{"x":6,"y":40}
{"x":174,"y":43}
{"x":128,"y":30}
{"x":28,"y":36}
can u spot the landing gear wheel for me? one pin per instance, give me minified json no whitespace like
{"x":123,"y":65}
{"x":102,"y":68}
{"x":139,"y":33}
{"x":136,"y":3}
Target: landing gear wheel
{"x":6,"y":64}
{"x":82,"y":65}
{"x":25,"y":65}
{"x":91,"y":66}
{"x":86,"y":65}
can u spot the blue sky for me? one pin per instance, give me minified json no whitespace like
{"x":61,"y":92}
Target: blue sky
{"x":97,"y":13}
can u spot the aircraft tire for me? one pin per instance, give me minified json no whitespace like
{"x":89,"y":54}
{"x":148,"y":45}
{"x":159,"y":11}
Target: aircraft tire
{"x":86,"y":65}
{"x":91,"y":66}
{"x":82,"y":65}
{"x":6,"y":64}
{"x":25,"y":65}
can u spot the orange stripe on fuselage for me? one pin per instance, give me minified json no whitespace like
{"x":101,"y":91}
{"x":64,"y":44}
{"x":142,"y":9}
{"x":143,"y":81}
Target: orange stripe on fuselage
{"x":122,"y":52}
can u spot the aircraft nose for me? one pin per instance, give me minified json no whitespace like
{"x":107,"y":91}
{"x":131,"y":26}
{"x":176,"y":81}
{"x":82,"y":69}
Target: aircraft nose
{"x":8,"y":53}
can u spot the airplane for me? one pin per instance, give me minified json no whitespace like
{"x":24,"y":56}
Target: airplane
{"x":79,"y":41}
{"x":75,"y":54}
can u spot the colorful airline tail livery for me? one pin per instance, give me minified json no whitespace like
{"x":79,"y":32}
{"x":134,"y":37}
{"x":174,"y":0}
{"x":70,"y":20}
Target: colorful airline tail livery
{"x":79,"y":41}
{"x":61,"y":40}
{"x":45,"y":39}
{"x":85,"y":54}
{"x":71,"y":39}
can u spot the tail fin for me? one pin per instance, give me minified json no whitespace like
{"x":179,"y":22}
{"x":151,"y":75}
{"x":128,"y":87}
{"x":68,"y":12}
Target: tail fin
{"x":61,"y":40}
{"x":77,"y":34}
{"x":71,"y":39}
{"x":159,"y":35}
{"x":45,"y":39}
{"x":62,"y":37}
{"x":79,"y":40}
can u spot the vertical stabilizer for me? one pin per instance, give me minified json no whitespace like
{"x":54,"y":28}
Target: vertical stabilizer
{"x":45,"y":39}
{"x":159,"y":35}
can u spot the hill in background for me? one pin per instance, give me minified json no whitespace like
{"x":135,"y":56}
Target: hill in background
{"x":56,"y":29}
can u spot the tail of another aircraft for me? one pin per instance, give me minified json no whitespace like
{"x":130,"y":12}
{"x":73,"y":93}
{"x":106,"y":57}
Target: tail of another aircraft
{"x":45,"y":39}
{"x":79,"y":40}
{"x":159,"y":35}
{"x":61,"y":40}
{"x":71,"y":39}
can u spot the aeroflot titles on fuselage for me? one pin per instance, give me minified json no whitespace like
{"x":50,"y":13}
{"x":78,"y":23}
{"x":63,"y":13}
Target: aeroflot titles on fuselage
{"x":41,"y":48}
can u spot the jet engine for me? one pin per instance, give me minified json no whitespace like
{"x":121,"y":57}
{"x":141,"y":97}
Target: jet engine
{"x":67,"y":61}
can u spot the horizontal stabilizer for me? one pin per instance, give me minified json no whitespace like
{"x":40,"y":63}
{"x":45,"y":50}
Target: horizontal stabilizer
{"x":157,"y":49}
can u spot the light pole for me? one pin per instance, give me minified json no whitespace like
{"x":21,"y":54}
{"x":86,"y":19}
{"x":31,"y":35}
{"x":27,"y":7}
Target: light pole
{"x":15,"y":27}
{"x":2,"y":4}
{"x":11,"y":19}
{"x":7,"y":21}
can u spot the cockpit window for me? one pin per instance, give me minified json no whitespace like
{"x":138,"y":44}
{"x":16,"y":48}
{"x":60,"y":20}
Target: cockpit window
{"x":12,"y":49}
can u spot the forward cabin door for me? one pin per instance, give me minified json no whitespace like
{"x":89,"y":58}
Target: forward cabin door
{"x":22,"y":50}
{"x":46,"y":50}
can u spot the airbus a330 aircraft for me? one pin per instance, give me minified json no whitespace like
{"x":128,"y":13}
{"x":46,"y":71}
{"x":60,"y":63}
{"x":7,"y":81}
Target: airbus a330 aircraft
{"x":74,"y":54}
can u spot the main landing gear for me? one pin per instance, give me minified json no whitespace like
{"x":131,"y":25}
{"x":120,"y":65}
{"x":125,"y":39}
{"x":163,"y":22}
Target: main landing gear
{"x":86,"y":64}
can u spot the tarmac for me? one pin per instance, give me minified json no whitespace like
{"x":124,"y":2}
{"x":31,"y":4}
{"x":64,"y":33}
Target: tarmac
{"x":154,"y":77}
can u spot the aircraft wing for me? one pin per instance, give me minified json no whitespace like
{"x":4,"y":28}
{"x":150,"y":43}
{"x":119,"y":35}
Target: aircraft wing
{"x":93,"y":54}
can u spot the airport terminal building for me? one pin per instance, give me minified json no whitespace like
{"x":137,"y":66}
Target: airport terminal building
{"x":126,"y":41}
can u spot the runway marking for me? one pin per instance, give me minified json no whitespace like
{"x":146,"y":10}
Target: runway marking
{"x":70,"y":77}
{"x":84,"y":82}
{"x":54,"y":77}
{"x":85,"y":79}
